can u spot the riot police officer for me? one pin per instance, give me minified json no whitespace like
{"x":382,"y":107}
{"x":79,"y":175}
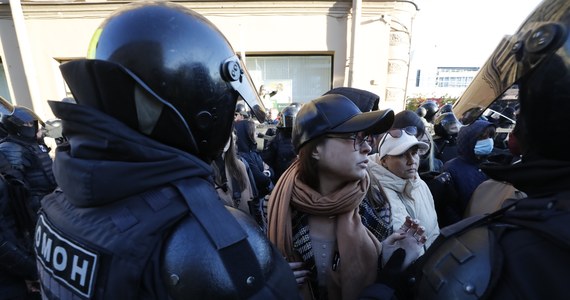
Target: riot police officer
{"x":137,"y":215}
{"x":25,"y":177}
{"x":27,"y":155}
{"x":446,"y":128}
{"x":280,"y":153}
{"x":431,"y":110}
{"x":241,"y":112}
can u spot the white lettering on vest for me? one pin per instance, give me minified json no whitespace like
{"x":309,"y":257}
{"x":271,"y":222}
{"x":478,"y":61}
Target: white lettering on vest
{"x":72,"y":264}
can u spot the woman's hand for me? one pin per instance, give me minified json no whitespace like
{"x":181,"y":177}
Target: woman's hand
{"x":301,"y":275}
{"x":409,"y":237}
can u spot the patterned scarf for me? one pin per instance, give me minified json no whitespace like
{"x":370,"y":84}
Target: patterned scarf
{"x":357,"y":246}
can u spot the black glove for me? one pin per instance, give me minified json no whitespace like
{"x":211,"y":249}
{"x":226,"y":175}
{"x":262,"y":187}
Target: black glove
{"x":388,"y":279}
{"x":391,"y":274}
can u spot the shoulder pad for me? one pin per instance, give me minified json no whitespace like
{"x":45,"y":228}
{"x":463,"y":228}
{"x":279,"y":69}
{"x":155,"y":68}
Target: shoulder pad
{"x":13,"y":152}
{"x":458,"y":267}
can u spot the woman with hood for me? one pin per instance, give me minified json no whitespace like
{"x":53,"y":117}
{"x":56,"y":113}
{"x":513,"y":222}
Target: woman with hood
{"x":475,"y":144}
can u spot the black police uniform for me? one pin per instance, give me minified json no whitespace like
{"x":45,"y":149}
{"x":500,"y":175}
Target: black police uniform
{"x":137,"y":216}
{"x":118,"y":227}
{"x":32,"y":165}
{"x":280,"y":152}
{"x":16,"y":253}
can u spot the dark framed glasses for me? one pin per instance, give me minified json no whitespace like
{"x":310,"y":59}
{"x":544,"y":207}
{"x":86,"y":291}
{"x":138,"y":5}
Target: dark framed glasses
{"x":357,"y":139}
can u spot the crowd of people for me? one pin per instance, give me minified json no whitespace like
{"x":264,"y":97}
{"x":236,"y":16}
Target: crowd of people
{"x":159,"y":189}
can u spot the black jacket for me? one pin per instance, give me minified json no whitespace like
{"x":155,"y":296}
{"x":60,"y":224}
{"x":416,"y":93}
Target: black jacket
{"x":104,"y":166}
{"x":505,"y":254}
{"x":17,"y":262}
{"x":129,"y":208}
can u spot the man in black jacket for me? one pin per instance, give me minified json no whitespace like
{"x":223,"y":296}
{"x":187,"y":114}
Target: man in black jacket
{"x":137,"y":216}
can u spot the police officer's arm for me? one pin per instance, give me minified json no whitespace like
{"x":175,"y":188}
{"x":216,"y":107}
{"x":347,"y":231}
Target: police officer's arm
{"x":14,"y":153}
{"x":15,"y":261}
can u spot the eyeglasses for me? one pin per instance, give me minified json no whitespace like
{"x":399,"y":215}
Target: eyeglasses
{"x":397,"y":132}
{"x":357,"y":139}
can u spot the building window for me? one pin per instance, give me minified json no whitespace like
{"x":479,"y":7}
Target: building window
{"x":292,"y":78}
{"x":455,"y":77}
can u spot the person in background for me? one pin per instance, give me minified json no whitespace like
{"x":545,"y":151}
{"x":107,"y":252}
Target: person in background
{"x":19,"y":276}
{"x":491,"y":194}
{"x":427,"y":112}
{"x":422,"y":112}
{"x":18,"y":210}
{"x":313,"y":212}
{"x":241,"y":113}
{"x":137,"y":213}
{"x":395,"y":166}
{"x":446,"y":128}
{"x":431,"y":108}
{"x":247,"y":149}
{"x":475,"y":143}
{"x":232,"y":178}
{"x":280,"y":153}
{"x":28,"y":156}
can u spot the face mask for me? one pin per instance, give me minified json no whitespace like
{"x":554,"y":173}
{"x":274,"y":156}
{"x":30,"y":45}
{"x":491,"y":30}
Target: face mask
{"x":484,"y":147}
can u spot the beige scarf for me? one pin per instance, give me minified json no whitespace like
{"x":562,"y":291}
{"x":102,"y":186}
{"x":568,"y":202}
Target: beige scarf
{"x":358,"y":248}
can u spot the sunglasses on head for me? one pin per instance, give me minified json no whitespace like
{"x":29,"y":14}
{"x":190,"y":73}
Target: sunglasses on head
{"x":397,"y":132}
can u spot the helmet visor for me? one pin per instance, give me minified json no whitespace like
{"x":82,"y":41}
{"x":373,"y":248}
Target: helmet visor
{"x":6,"y":108}
{"x":514,"y":57}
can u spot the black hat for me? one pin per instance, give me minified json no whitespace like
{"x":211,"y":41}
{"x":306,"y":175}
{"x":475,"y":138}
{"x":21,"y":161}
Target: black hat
{"x":335,"y":113}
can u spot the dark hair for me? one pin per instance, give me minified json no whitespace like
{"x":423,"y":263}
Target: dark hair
{"x":376,"y":194}
{"x":308,"y":166}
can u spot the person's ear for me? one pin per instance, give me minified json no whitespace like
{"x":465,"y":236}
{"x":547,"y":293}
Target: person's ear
{"x":316,"y":153}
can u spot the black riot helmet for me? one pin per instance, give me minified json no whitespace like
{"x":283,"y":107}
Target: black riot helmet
{"x":167,"y":72}
{"x":447,"y":125}
{"x":288,"y":115}
{"x":444,"y":109}
{"x":431,"y":109}
{"x":535,"y":61}
{"x":242,"y":110}
{"x":421,"y":112}
{"x":22,"y":122}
